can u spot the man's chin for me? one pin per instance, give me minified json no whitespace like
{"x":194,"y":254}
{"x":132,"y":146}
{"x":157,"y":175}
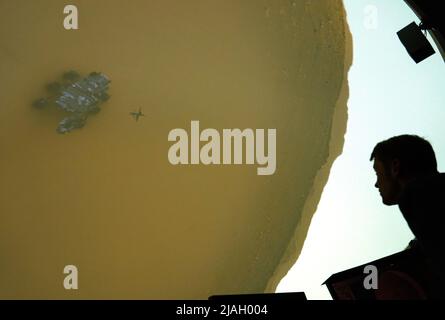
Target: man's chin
{"x":389,"y":202}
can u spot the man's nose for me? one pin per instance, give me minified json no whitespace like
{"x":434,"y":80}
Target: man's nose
{"x":376,"y":185}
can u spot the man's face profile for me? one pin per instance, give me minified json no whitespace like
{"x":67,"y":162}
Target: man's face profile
{"x":387,"y":182}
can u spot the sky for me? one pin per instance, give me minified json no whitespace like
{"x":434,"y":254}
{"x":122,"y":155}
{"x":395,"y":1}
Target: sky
{"x":389,"y":95}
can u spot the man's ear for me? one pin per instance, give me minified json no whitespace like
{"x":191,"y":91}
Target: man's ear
{"x":395,"y":167}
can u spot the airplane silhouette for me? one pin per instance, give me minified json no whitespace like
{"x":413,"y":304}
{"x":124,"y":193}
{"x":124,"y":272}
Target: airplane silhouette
{"x":138,"y":114}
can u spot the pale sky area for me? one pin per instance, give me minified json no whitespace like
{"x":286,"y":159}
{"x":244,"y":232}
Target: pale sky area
{"x":389,"y":95}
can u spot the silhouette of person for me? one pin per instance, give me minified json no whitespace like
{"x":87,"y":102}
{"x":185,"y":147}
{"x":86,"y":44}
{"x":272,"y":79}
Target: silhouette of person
{"x":407,"y":176}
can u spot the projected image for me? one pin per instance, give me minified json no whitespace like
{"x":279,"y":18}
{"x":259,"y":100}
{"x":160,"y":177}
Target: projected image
{"x":193,"y":149}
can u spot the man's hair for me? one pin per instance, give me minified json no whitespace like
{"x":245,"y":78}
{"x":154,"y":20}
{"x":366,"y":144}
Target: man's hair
{"x":416,"y":155}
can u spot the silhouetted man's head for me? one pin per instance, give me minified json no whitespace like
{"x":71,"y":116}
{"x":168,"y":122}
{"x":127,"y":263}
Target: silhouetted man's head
{"x":399,"y":160}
